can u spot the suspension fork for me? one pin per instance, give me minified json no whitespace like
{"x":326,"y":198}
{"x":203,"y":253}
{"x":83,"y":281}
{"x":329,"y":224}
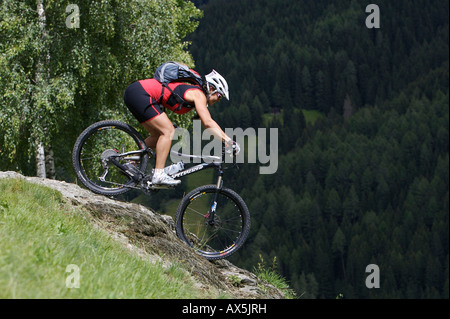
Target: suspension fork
{"x":213,"y":205}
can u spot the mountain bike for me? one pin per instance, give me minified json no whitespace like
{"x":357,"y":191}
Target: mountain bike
{"x":111,"y":158}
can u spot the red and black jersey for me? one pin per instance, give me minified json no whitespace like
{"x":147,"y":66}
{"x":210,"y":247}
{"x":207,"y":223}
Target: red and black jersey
{"x":146,"y":98}
{"x":170,"y":98}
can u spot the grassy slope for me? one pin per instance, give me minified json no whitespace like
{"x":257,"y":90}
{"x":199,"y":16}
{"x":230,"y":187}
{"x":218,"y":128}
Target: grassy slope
{"x":40,"y":236}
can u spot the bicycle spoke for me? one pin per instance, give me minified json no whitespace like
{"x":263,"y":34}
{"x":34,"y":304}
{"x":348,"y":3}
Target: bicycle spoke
{"x":218,"y":235}
{"x":98,"y":162}
{"x":195,"y":211}
{"x":93,"y":158}
{"x":231,"y":230}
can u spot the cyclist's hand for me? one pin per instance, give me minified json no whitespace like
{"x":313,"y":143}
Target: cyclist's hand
{"x":236,"y":148}
{"x":232,"y":148}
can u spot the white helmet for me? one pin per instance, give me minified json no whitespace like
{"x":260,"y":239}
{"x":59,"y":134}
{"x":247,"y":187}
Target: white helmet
{"x":218,"y":82}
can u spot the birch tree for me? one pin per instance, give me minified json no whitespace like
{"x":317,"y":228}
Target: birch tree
{"x":66,"y":64}
{"x":41,"y":82}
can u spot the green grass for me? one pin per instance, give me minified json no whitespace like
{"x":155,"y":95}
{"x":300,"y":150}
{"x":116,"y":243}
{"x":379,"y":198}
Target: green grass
{"x":270,"y":275}
{"x":41,"y":235}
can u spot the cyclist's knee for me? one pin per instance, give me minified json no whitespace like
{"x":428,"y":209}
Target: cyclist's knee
{"x":160,"y":126}
{"x":168,"y":131}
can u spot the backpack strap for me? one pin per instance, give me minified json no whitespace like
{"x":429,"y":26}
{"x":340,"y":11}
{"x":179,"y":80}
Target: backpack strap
{"x":178,"y":98}
{"x":162,"y":93}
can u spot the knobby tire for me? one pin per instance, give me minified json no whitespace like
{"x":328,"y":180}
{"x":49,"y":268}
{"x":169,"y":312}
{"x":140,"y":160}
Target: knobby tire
{"x":95,"y":186}
{"x":218,"y":241}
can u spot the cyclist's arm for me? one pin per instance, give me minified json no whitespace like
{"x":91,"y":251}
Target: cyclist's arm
{"x":199,"y":99}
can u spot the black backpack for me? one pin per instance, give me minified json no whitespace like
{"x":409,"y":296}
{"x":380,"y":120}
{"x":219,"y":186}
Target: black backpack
{"x":176,"y":72}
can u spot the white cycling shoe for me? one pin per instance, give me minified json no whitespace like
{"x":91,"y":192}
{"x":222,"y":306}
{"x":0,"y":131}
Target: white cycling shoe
{"x":164,"y":179}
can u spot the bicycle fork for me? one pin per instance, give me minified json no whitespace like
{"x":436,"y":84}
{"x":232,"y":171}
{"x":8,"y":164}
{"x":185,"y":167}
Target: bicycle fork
{"x":213,"y":205}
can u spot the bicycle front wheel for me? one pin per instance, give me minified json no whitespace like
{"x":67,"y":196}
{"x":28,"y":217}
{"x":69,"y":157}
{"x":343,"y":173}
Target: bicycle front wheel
{"x":218,"y":238}
{"x":97,"y":146}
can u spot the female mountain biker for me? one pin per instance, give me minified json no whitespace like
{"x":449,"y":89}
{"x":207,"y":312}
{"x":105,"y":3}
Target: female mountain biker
{"x":143,"y":98}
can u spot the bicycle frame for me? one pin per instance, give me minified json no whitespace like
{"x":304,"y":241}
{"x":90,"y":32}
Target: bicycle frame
{"x":214,"y":161}
{"x":211,"y":162}
{"x":212,"y":219}
{"x":203,"y":166}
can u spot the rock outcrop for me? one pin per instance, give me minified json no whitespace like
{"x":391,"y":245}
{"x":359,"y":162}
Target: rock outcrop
{"x":153,"y":237}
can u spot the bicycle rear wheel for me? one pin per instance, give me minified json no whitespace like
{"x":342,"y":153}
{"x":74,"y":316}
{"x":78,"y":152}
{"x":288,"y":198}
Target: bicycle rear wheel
{"x":230,"y":227}
{"x":97,"y":146}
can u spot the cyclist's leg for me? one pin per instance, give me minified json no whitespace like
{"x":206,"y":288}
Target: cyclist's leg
{"x":162,"y":130}
{"x":151,"y":141}
{"x":140,"y":104}
{"x":161,"y":133}
{"x":149,"y":113}
{"x":145,"y":109}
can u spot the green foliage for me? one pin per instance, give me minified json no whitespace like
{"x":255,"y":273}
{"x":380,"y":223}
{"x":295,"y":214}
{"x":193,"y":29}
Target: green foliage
{"x":270,"y":275}
{"x":55,"y":80}
{"x":366,"y":181}
{"x":317,"y":55}
{"x":235,"y":280}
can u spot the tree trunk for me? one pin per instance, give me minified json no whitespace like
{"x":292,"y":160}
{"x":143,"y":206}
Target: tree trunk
{"x":40,"y":161}
{"x":50,"y":162}
{"x":40,"y":151}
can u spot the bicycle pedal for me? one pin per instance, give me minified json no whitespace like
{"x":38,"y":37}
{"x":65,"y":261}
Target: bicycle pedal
{"x":148,"y":185}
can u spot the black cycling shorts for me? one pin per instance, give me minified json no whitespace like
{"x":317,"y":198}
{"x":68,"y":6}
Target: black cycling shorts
{"x":140,"y":103}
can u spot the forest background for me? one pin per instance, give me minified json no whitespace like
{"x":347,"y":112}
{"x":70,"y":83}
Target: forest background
{"x":363,"y":117}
